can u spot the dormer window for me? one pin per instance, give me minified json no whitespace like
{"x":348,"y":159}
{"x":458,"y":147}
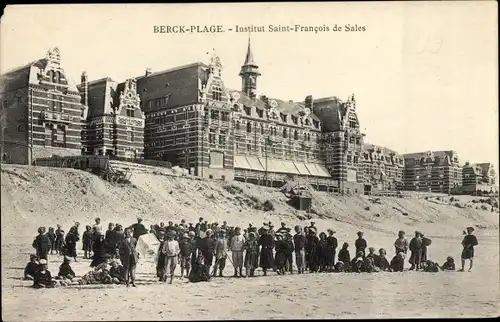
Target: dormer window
{"x":260,"y":113}
{"x":130,"y":111}
{"x":295,"y":135}
{"x":316,"y":123}
{"x":285,"y":134}
{"x":248,"y":110}
{"x":307,"y":122}
{"x":249,"y":127}
{"x":283,"y":117}
{"x":294,"y":119}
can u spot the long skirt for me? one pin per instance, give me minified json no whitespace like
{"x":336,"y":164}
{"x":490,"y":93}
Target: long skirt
{"x":71,"y":250}
{"x":266,"y":258}
{"x":251,"y":260}
{"x":331,"y":257}
{"x":280,"y":260}
{"x":160,"y":265}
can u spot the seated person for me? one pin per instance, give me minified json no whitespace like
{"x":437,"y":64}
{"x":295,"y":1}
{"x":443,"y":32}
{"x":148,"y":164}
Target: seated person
{"x":339,"y":267}
{"x":369,"y":264}
{"x":43,"y":278}
{"x":199,"y":271}
{"x":381,"y":261}
{"x":430,"y":267}
{"x":100,"y":275}
{"x":117,"y":272}
{"x":398,"y":262}
{"x":449,"y":265}
{"x":65,"y":270}
{"x":357,"y":263}
{"x":31,"y":268}
{"x":371,"y":252}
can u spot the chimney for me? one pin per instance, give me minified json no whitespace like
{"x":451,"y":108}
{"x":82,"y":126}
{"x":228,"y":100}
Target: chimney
{"x":148,"y":71}
{"x":309,"y":102}
{"x":85,"y":89}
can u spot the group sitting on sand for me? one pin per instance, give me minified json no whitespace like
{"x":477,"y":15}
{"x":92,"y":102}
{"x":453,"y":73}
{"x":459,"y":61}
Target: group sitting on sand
{"x":201,"y":251}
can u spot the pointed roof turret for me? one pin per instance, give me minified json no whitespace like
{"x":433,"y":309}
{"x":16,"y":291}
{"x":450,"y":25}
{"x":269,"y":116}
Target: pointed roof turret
{"x":249,"y":61}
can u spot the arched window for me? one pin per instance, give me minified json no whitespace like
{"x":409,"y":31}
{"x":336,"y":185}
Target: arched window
{"x":249,"y":127}
{"x":296,"y":135}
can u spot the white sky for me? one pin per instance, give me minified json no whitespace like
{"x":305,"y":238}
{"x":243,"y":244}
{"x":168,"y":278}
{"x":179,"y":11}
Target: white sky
{"x":425,"y":75}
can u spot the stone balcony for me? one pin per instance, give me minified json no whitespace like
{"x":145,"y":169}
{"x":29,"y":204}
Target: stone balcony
{"x":57,"y":117}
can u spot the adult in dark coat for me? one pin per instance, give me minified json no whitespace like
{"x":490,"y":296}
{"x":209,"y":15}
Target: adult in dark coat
{"x":416,"y":251}
{"x":207,"y":247}
{"x":138,"y":229}
{"x":311,"y":248}
{"x":119,"y":236}
{"x":322,"y":252}
{"x":266,"y":241}
{"x":360,"y":244}
{"x":128,"y":256}
{"x":110,"y":239}
{"x":332,"y":244}
{"x":160,"y":264}
{"x":344,"y":255}
{"x":71,"y":239}
{"x":100,"y":250}
{"x":42,"y":244}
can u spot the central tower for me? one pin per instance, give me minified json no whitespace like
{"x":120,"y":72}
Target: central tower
{"x":249,"y":73}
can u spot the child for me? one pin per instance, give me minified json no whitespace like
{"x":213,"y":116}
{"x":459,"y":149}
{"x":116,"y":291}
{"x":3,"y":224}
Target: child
{"x":160,"y":261}
{"x":398,"y":262}
{"x":43,"y":278}
{"x":171,"y":250}
{"x":371,"y":252}
{"x":300,"y":255}
{"x":185,"y":246}
{"x":344,"y":255}
{"x":339,"y":267}
{"x":31,"y":268}
{"x":117,"y":272}
{"x":280,"y":258}
{"x":52,"y":237}
{"x":468,"y":244}
{"x":360,"y":243}
{"x":65,"y":270}
{"x":381,"y":261}
{"x":430,"y":266}
{"x":449,"y":265}
{"x":357,"y":264}
{"x":252,"y":255}
{"x":87,"y":242}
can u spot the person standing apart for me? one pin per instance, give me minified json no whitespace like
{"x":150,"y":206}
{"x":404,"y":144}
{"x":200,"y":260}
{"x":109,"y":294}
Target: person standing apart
{"x":360,"y":244}
{"x":416,"y":251}
{"x":171,"y":250}
{"x":299,"y":242}
{"x":237,"y":243}
{"x":468,"y":243}
{"x":220,"y":252}
{"x":128,"y":256}
{"x":401,"y":244}
{"x":266,"y":241}
{"x":42,"y":244}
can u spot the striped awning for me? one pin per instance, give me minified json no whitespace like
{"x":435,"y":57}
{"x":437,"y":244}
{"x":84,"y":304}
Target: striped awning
{"x":240,"y":162}
{"x":302,"y":168}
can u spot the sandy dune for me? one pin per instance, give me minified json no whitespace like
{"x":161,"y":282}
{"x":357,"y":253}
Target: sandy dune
{"x":33,"y":197}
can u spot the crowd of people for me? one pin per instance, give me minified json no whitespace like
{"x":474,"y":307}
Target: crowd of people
{"x":202,"y":251}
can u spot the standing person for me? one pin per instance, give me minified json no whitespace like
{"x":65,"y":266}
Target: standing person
{"x":71,"y":239}
{"x":416,"y":251}
{"x":220,"y":253}
{"x":171,"y":250}
{"x":468,"y":244}
{"x":311,"y":247}
{"x":288,"y":240}
{"x":109,"y":238}
{"x":42,"y":244}
{"x":252,"y":254}
{"x":100,"y":249}
{"x":344,"y":255}
{"x":322,"y":253}
{"x":128,"y":256}
{"x":87,"y":242}
{"x":207,"y":247}
{"x":401,"y":243}
{"x":186,"y":251}
{"x":360,"y":244}
{"x":300,"y":255}
{"x":194,"y":250}
{"x":59,"y":240}
{"x":97,"y":229}
{"x":280,"y":259}
{"x":237,"y":243}
{"x":266,"y":241}
{"x":160,"y":261}
{"x":119,"y":236}
{"x":52,"y":237}
{"x":332,"y":244}
{"x":425,"y":243}
{"x":138,"y":229}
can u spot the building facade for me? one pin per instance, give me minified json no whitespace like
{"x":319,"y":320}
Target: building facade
{"x":383,"y":168}
{"x":478,"y":178}
{"x":432,"y":171}
{"x":42,"y":114}
{"x":115,"y":121}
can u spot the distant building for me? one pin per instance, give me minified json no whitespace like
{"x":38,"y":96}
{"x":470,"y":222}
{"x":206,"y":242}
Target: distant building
{"x":478,"y":178}
{"x":383,"y":168}
{"x":115,"y":122}
{"x":41,"y":111}
{"x":432,"y":171}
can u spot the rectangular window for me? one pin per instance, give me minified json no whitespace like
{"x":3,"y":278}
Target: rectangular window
{"x":260,"y":113}
{"x":130,"y":111}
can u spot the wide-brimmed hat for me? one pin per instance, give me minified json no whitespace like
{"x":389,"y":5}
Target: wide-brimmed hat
{"x":469,"y":228}
{"x":43,"y":262}
{"x":418,"y":232}
{"x":265,"y":227}
{"x":331,"y":231}
{"x":66,"y":259}
{"x":209,"y":231}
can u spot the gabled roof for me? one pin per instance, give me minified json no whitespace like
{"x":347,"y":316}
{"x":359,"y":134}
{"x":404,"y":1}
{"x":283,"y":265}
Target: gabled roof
{"x":383,"y":149}
{"x":101,"y":93}
{"x":330,"y":111}
{"x":419,"y":155}
{"x":180,"y":84}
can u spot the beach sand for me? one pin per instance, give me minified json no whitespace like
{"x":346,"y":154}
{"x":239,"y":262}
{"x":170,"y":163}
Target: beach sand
{"x":32,"y":198}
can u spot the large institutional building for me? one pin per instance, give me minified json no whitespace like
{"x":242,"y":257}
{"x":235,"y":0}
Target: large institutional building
{"x":186,"y":115}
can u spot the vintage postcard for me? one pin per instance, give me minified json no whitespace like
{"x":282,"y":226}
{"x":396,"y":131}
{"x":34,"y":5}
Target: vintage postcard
{"x":249,"y":161}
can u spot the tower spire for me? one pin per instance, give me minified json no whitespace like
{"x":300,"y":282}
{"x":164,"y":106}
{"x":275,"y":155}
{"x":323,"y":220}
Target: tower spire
{"x":249,"y":72}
